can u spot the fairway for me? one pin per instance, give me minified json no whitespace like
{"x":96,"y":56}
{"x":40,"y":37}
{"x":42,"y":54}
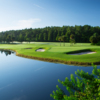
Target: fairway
{"x":56,"y":53}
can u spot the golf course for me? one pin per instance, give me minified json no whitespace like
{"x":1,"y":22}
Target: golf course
{"x":56,"y":52}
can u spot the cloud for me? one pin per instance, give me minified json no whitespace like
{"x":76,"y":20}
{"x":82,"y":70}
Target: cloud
{"x":21,"y":24}
{"x":38,"y":6}
{"x":27,"y":23}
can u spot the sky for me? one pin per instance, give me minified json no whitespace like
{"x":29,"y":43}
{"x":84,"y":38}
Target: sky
{"x":21,"y":14}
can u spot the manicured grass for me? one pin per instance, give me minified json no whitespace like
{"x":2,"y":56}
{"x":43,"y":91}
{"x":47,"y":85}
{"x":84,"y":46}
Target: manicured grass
{"x":55,"y":51}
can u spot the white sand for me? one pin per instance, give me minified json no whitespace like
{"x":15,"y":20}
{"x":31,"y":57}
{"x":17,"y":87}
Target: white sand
{"x":40,"y":50}
{"x":81,"y":53}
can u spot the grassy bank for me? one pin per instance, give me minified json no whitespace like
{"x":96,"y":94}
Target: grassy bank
{"x":56,"y":53}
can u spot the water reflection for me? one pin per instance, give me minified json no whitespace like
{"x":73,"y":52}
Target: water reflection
{"x":7,"y":52}
{"x":28,"y":79}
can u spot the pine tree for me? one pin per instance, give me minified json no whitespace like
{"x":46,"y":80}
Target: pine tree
{"x":86,"y":88}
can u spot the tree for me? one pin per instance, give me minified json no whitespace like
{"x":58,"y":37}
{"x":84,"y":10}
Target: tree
{"x":59,"y":39}
{"x":54,"y":34}
{"x":51,"y":34}
{"x":72,"y":39}
{"x":63,"y":38}
{"x":37,"y":37}
{"x":12,"y":38}
{"x":68,"y":32}
{"x":28,"y":40}
{"x":8,"y":39}
{"x":78,"y":31}
{"x":1,"y":39}
{"x":21,"y":38}
{"x":40,"y":37}
{"x":86,"y":88}
{"x":45,"y":36}
{"x":58,"y":35}
{"x":5,"y":37}
{"x":95,"y":38}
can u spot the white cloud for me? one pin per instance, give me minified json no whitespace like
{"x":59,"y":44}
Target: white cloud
{"x":27,"y":23}
{"x":21,"y":24}
{"x":38,"y":6}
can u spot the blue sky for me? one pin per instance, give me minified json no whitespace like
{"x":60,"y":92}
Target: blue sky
{"x":21,"y":14}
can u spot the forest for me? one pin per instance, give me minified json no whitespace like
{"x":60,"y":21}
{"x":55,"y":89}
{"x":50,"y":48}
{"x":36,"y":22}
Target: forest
{"x":50,"y":34}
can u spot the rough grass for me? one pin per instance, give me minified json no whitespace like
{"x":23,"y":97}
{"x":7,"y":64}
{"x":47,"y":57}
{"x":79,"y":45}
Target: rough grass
{"x":56,"y":53}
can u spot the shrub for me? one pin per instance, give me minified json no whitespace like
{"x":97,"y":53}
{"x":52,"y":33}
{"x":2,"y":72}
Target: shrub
{"x":95,"y":39}
{"x":86,"y":88}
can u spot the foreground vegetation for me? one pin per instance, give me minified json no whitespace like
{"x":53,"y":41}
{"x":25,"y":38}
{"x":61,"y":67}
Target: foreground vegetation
{"x":56,"y":53}
{"x":86,"y":88}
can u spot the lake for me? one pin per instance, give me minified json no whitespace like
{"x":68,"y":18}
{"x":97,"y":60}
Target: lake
{"x":27,"y":79}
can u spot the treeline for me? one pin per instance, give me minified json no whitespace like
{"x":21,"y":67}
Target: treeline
{"x":50,"y":34}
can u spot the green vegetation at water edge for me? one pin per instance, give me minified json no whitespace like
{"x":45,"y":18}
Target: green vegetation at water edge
{"x":86,"y":88}
{"x":56,"y":52}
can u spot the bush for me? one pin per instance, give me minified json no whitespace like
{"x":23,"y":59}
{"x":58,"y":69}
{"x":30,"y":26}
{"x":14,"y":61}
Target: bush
{"x":86,"y":88}
{"x":98,"y":43}
{"x":95,"y":39}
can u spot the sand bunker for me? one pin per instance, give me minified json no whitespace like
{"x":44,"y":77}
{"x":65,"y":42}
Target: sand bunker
{"x":40,"y":50}
{"x":28,"y":48}
{"x":81,"y":53}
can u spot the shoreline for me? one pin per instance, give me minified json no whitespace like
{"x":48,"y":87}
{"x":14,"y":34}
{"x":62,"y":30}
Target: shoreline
{"x":55,"y":60}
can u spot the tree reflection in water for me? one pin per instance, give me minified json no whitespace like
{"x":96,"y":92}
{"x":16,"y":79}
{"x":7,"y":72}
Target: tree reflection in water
{"x":7,"y":52}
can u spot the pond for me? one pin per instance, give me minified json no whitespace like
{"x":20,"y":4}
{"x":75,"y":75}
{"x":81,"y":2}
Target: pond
{"x":27,"y":79}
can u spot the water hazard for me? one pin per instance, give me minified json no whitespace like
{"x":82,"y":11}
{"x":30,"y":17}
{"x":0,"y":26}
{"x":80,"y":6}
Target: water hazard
{"x":27,"y":79}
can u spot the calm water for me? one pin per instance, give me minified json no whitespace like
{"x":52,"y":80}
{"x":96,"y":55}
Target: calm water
{"x":26,"y":79}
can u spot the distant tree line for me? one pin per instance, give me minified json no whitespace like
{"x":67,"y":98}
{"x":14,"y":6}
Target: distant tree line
{"x":51,"y":34}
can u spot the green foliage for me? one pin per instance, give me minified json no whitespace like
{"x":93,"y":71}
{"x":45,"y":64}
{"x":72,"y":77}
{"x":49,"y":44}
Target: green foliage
{"x":60,"y":39}
{"x":28,"y":40}
{"x":98,"y":43}
{"x":58,"y":95}
{"x":21,"y":38}
{"x":51,"y":34}
{"x":72,"y":36}
{"x":95,"y":39}
{"x":63,"y":38}
{"x":72,"y":39}
{"x":86,"y":88}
